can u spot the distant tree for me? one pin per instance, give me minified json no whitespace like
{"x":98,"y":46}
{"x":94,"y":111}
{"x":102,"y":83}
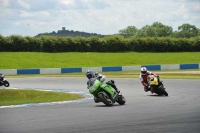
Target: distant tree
{"x":187,"y":31}
{"x":157,"y":29}
{"x":162,"y":30}
{"x":144,"y":31}
{"x":129,"y":31}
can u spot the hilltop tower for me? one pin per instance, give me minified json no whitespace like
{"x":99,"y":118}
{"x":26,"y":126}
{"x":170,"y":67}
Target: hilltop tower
{"x":63,"y":28}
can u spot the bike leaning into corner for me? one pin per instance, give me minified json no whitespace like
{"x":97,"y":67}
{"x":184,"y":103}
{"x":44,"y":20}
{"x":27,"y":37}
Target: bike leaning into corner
{"x":155,"y":85}
{"x":3,"y":81}
{"x":104,"y":92}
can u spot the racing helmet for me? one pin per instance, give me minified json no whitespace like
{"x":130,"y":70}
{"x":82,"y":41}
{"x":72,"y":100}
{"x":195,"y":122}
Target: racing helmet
{"x":143,"y":70}
{"x":89,"y":74}
{"x":1,"y":76}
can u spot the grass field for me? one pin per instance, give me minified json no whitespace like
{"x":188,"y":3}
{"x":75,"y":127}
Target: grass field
{"x":14,"y":97}
{"x":14,"y":60}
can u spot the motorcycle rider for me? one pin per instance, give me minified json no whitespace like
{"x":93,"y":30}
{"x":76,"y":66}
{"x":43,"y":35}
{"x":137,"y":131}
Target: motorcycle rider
{"x":143,"y":78}
{"x":3,"y":81}
{"x":110,"y":82}
{"x":90,"y":75}
{"x":1,"y":77}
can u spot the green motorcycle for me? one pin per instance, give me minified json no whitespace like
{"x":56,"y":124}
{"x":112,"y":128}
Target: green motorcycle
{"x":104,"y":92}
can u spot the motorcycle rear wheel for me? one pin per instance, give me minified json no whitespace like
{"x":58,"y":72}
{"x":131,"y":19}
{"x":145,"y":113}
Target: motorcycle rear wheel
{"x":105,"y":99}
{"x":6,"y":83}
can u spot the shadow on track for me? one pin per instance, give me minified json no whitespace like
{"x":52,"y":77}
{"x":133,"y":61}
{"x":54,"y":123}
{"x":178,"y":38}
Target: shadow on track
{"x":109,"y":106}
{"x":157,"y":96}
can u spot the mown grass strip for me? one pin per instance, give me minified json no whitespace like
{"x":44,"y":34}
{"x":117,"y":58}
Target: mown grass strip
{"x":16,"y":60}
{"x":17,"y":96}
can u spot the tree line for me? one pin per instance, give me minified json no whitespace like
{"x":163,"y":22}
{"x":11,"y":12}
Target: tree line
{"x":158,"y":29}
{"x":115,"y":43}
{"x":150,"y":38}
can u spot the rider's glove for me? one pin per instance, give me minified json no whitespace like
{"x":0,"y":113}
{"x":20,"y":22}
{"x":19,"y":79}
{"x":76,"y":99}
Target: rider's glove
{"x":102,"y":79}
{"x":112,"y":81}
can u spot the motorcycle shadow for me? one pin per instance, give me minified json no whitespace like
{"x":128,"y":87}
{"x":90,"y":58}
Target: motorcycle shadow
{"x":114,"y":105}
{"x":156,"y":95}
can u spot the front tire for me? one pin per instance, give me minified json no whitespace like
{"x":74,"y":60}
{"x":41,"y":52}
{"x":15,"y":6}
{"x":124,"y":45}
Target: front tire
{"x":162,"y":91}
{"x":105,"y":99}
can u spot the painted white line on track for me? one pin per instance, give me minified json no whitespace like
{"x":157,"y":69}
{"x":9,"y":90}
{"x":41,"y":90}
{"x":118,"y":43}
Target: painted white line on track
{"x":87,"y":96}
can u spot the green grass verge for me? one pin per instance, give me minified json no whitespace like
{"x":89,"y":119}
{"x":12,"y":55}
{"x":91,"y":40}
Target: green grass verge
{"x":16,"y":60}
{"x":15,"y":97}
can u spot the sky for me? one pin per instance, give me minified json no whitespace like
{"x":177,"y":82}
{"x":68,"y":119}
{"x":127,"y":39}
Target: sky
{"x":106,"y":17}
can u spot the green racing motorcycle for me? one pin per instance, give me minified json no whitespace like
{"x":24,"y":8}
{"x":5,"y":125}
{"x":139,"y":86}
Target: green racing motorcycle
{"x":104,"y":92}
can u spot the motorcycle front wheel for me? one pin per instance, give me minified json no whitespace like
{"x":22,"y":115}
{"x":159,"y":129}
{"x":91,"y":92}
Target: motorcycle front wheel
{"x":105,"y":99}
{"x":162,"y":91}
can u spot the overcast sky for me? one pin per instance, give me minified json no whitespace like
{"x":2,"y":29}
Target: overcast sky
{"x":31,"y":17}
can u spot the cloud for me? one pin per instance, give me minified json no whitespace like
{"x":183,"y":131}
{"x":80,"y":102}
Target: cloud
{"x":82,"y":4}
{"x":4,"y":3}
{"x":24,"y":4}
{"x":93,"y":16}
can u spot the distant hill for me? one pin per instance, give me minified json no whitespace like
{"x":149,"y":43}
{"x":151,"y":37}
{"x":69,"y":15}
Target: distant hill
{"x":71,"y":33}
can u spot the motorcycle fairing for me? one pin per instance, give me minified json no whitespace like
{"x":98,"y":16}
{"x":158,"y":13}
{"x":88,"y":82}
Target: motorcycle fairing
{"x":107,"y":88}
{"x":153,"y":81}
{"x":95,"y":87}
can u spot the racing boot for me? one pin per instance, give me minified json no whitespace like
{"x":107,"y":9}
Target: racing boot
{"x":146,"y":88}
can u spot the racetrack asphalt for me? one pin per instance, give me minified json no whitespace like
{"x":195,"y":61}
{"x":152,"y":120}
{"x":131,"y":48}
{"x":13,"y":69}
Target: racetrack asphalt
{"x":143,"y":112}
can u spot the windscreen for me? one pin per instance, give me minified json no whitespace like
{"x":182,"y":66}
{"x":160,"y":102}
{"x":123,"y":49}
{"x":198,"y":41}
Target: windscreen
{"x":91,"y":81}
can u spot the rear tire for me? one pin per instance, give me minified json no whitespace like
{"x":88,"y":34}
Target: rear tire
{"x":6,"y":83}
{"x":105,"y":99}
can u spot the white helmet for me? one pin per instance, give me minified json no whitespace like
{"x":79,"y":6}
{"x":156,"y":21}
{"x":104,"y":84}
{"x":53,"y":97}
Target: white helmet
{"x":143,"y":70}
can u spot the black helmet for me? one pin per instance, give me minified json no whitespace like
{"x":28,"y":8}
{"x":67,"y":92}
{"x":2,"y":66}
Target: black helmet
{"x":1,"y":76}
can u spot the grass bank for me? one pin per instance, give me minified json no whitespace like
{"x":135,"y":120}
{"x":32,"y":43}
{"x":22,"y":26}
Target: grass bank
{"x":16,"y":60}
{"x":14,"y":97}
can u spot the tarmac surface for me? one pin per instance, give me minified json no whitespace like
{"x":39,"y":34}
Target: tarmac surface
{"x":143,"y":112}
